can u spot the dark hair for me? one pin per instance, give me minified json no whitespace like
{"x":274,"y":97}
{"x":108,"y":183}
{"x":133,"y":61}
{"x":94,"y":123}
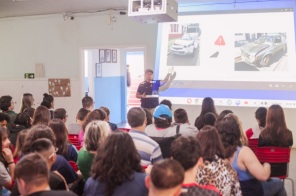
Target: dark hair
{"x":41,"y":145}
{"x":167,"y":103}
{"x":160,"y":123}
{"x":148,"y":70}
{"x":229,"y":131}
{"x":26,"y":101}
{"x":30,"y":112}
{"x":186,"y":150}
{"x":37,"y":132}
{"x":106,"y":110}
{"x":93,"y":115}
{"x":149,"y":116}
{"x":3,"y":117}
{"x":20,"y":141}
{"x":23,"y":119}
{"x":223,"y":114}
{"x":3,"y":137}
{"x":260,"y":115}
{"x":60,"y":113}
{"x":276,"y":131}
{"x":5,"y":102}
{"x":166,"y":174}
{"x":210,"y":143}
{"x":46,"y":104}
{"x":48,"y":98}
{"x":136,"y":117}
{"x":118,"y":168}
{"x":180,"y":116}
{"x":32,"y":169}
{"x":207,"y":106}
{"x":61,"y":135}
{"x":41,"y":116}
{"x":95,"y":134}
{"x":209,"y":119}
{"x":87,"y":102}
{"x":82,"y":113}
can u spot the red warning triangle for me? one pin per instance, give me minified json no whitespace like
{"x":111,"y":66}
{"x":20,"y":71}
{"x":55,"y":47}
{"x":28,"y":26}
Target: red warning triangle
{"x":220,"y":41}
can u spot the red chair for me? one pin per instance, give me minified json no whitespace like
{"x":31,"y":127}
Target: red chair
{"x":253,"y":144}
{"x":73,"y":138}
{"x":124,"y":129}
{"x":73,"y":165}
{"x":275,"y":156}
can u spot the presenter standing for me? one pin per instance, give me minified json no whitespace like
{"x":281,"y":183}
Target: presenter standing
{"x":148,"y":91}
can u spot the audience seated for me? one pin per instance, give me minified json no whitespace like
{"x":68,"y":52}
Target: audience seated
{"x":210,"y":119}
{"x":207,"y":106}
{"x":187,"y":152}
{"x":20,"y":140}
{"x":96,"y":133}
{"x":107,"y":119}
{"x":260,"y":115}
{"x":88,"y":103}
{"x":65,"y":148}
{"x":216,"y":170}
{"x":48,"y":101}
{"x":61,"y":113}
{"x":4,"y":120}
{"x":27,"y":102}
{"x":7,"y":107}
{"x":32,"y":176}
{"x":181,"y":119}
{"x":41,"y":116}
{"x":74,"y":128}
{"x":93,"y":115}
{"x":148,"y":149}
{"x":244,"y":161}
{"x":119,"y":174}
{"x":22,"y":122}
{"x":165,"y":179}
{"x":223,"y":114}
{"x":7,"y":164}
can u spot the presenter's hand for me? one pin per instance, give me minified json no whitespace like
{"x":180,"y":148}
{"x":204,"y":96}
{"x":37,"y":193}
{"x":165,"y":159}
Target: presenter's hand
{"x":144,"y":95}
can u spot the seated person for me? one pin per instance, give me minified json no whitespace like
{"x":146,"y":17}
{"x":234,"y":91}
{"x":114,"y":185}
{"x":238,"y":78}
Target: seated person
{"x":187,"y":152}
{"x":107,"y":119}
{"x":74,"y":128}
{"x":166,"y":178}
{"x":7,"y":107}
{"x":181,"y":118}
{"x":147,"y":148}
{"x":167,"y":103}
{"x":22,"y":122}
{"x":61,"y":113}
{"x":260,"y":115}
{"x":88,"y":103}
{"x":4,"y":120}
{"x":210,"y":119}
{"x":31,"y":174}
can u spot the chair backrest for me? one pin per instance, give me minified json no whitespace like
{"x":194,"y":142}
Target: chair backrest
{"x":73,"y":165}
{"x":253,"y":144}
{"x":165,"y":144}
{"x":124,"y":129}
{"x":278,"y":157}
{"x":73,"y":138}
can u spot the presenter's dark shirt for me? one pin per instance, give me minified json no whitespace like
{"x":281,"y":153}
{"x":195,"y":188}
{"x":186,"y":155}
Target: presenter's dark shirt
{"x":150,"y":88}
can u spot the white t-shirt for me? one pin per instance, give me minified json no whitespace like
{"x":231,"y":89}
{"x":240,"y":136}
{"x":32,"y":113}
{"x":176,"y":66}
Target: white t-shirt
{"x":185,"y":130}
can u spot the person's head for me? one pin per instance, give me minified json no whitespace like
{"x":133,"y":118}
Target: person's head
{"x":5,"y":143}
{"x":260,"y":116}
{"x":149,"y":117}
{"x":162,"y":116}
{"x":208,"y":105}
{"x":95,"y":134}
{"x":93,"y":115}
{"x":4,"y":120}
{"x":223,"y":114}
{"x":46,"y":104}
{"x":41,"y":116}
{"x":61,"y":135}
{"x":61,"y":113}
{"x":6,"y":103}
{"x":81,"y":115}
{"x":27,"y":101}
{"x":148,"y":75}
{"x":210,"y":143}
{"x":136,"y":118}
{"x":180,"y":116}
{"x":88,"y":103}
{"x":115,"y":169}
{"x":37,"y":132}
{"x":23,"y":119}
{"x":210,"y":119}
{"x":166,"y":178}
{"x":107,"y":111}
{"x":31,"y":174}
{"x":167,"y":103}
{"x":20,"y":141}
{"x":230,"y":134}
{"x":45,"y":147}
{"x":49,"y":99}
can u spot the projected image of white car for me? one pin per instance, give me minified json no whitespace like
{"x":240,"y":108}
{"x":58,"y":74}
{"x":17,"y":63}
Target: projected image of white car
{"x":185,"y":45}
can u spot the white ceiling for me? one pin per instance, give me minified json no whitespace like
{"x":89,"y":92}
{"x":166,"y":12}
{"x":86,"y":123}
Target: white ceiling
{"x":12,"y":8}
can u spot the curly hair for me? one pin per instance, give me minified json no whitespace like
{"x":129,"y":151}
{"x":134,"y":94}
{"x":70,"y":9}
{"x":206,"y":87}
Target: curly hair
{"x":115,"y":161}
{"x":230,"y":133}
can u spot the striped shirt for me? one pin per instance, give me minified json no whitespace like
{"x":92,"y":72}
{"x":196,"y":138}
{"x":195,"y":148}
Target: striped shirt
{"x":148,"y":149}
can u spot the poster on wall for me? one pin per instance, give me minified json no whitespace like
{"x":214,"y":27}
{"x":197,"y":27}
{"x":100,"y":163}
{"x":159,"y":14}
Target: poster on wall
{"x":59,"y":87}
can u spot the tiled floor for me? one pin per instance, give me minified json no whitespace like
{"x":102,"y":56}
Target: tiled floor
{"x":292,"y":173}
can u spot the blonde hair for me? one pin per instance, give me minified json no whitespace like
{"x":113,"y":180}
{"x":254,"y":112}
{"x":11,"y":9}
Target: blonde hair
{"x":96,"y":132}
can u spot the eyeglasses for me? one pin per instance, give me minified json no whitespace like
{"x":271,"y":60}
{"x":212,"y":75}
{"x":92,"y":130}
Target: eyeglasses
{"x":55,"y":151}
